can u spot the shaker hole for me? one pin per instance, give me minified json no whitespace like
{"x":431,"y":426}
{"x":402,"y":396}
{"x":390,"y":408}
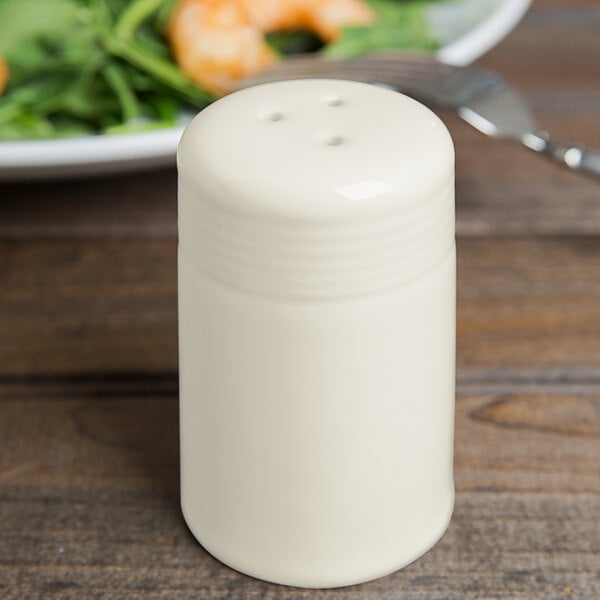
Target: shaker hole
{"x":273,"y":116}
{"x":334,"y":140}
{"x":335,"y":101}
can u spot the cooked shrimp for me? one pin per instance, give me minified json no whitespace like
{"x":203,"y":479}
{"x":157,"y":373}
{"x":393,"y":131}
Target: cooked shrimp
{"x":326,"y":18}
{"x":219,"y":42}
{"x":3,"y":74}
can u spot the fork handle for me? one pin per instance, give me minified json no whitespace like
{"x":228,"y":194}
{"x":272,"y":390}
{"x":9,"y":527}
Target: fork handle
{"x":573,"y":156}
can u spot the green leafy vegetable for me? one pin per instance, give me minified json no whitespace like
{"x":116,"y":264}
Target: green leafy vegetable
{"x":80,"y":66}
{"x":400,"y":25}
{"x":104,"y":66}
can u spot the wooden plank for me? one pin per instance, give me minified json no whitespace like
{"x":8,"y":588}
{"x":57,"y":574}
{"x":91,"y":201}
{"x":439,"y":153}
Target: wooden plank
{"x":524,"y":441}
{"x":127,"y":205}
{"x":71,"y":306}
{"x":554,"y":48}
{"x":529,"y":302}
{"x":89,"y":505}
{"x":109,"y":306}
{"x":570,"y":6}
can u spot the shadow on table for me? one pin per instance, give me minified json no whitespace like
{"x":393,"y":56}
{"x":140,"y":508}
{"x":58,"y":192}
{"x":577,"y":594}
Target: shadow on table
{"x":137,"y":423}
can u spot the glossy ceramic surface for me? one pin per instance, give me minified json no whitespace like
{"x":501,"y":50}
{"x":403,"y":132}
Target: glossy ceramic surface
{"x":317,"y":316}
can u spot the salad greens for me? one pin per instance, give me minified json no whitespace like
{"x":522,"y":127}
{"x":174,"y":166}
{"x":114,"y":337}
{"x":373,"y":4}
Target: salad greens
{"x":399,"y":25}
{"x":80,"y":66}
{"x":86,"y":66}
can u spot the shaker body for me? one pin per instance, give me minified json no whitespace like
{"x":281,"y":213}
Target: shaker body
{"x":317,"y":331}
{"x":316,"y":440}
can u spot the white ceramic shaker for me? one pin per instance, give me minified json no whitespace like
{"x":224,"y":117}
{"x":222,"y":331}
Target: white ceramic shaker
{"x":317,"y":330}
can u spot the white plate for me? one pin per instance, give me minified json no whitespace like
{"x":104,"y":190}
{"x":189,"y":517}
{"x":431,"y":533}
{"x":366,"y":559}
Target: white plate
{"x":489,"y":21}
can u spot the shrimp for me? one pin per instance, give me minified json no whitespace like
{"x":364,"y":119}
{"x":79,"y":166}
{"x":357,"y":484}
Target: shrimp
{"x":3,"y":75}
{"x":326,"y":18}
{"x":220,"y":42}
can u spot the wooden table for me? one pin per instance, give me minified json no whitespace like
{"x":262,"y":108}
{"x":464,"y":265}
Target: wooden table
{"x":88,"y":370}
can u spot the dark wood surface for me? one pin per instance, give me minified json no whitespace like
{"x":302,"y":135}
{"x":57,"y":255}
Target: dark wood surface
{"x":88,"y":370}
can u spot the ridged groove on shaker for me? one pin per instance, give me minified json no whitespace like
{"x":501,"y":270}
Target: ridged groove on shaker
{"x":316,"y":260}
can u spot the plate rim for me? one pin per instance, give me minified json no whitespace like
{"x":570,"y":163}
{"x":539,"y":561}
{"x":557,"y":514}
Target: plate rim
{"x":485,"y":35}
{"x":87,"y":155}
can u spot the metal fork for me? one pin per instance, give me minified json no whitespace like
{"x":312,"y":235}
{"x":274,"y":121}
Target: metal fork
{"x":479,"y":96}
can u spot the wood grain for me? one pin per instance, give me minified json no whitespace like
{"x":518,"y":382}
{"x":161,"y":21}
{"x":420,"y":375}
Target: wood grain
{"x":88,"y":424}
{"x":73,"y":306}
{"x":91,"y":508}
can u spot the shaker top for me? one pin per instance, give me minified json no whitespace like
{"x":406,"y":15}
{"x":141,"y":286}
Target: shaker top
{"x":315,"y":149}
{"x":316,"y":189}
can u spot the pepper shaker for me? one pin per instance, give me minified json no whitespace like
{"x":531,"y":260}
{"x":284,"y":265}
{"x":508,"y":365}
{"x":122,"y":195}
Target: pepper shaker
{"x":316,"y":330}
